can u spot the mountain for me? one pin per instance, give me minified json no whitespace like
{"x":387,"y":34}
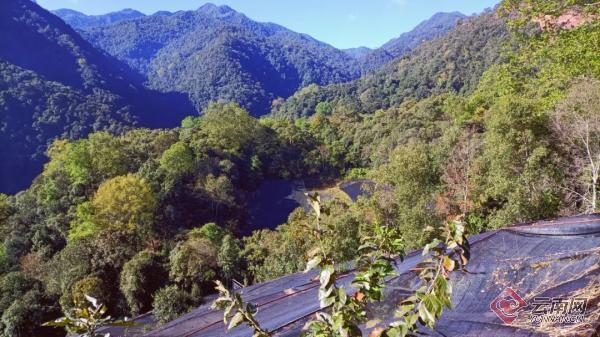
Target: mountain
{"x":453,"y":62}
{"x":79,"y":20}
{"x":54,"y":84}
{"x":436,"y":26}
{"x":216,"y":53}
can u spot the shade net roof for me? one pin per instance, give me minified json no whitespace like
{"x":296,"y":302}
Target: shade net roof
{"x":558,"y":259}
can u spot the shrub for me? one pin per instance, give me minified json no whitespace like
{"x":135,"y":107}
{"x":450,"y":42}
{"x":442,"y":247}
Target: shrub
{"x":209,"y":231}
{"x":178,"y":160}
{"x":141,"y":277}
{"x":91,"y":286}
{"x":14,"y":286}
{"x":170,"y":302}
{"x":4,"y":265}
{"x":229,"y":258}
{"x":121,"y":203}
{"x":193,"y":263}
{"x":26,"y":314}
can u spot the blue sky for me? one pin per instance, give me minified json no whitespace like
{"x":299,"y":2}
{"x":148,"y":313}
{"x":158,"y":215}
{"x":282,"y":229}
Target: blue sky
{"x":341,"y":23}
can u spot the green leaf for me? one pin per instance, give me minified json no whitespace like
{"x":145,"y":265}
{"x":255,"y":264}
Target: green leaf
{"x":220,"y":287}
{"x":315,"y":261}
{"x":227,"y":311}
{"x":325,"y":292}
{"x":412,"y":319}
{"x":92,"y":300}
{"x":343,"y":297}
{"x":404,"y":309}
{"x":326,"y":273}
{"x":425,"y":315}
{"x":123,"y":324}
{"x":448,"y":263}
{"x":236,"y":320}
{"x":430,"y":245}
{"x":327,"y":301}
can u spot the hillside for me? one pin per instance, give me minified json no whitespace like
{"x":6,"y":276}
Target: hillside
{"x":436,"y":26}
{"x":65,"y":89}
{"x":79,"y":20}
{"x":218,"y":54}
{"x":451,"y":63}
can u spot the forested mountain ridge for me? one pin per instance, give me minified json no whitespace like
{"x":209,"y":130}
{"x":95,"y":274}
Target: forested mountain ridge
{"x":453,"y":62}
{"x":79,"y":20}
{"x":56,"y":44}
{"x":53,"y":83}
{"x":218,"y":54}
{"x":211,"y":54}
{"x":436,"y":26}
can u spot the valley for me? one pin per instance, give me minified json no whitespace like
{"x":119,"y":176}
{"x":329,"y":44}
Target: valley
{"x":149,"y":156}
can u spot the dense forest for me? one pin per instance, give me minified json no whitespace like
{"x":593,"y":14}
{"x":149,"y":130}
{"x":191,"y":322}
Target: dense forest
{"x":166,"y":66}
{"x":451,"y":63}
{"x":497,"y":122}
{"x":66,"y":88}
{"x":215,"y":53}
{"x":218,"y":54}
{"x":436,"y":26}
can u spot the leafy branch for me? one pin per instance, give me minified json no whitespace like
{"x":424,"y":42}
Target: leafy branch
{"x":377,"y":255}
{"x":374,"y":266}
{"x":87,"y":320}
{"x":344,"y":310}
{"x":426,"y":305}
{"x":236,"y":311}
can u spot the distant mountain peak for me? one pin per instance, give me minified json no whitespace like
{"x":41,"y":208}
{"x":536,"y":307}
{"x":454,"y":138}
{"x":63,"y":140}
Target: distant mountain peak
{"x":211,"y":8}
{"x":162,"y":13}
{"x":447,"y":14}
{"x":207,"y":6}
{"x":438,"y":23}
{"x":67,"y":10}
{"x":129,"y":10}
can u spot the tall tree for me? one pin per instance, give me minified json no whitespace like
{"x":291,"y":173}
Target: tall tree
{"x":576,"y":126}
{"x":122,"y":203}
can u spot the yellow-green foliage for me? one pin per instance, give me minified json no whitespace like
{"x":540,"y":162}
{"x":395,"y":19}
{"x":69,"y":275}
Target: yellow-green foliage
{"x":210,"y":231}
{"x":178,"y":160}
{"x":91,"y":286}
{"x":411,"y":179}
{"x":122,"y":203}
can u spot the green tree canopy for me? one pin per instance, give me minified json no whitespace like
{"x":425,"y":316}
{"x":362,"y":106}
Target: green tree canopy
{"x":178,"y":160}
{"x":141,"y":277}
{"x":122,"y":203}
{"x":193,"y":263}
